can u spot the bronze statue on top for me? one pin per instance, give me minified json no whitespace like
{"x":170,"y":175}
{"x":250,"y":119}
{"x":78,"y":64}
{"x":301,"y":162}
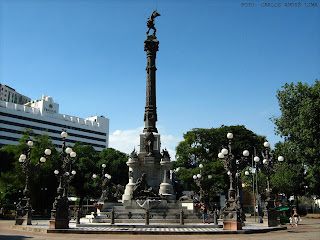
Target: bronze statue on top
{"x":150,"y":22}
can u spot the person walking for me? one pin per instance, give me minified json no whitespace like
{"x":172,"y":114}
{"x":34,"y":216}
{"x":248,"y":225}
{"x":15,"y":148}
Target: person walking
{"x":205,"y":216}
{"x":295,"y":218}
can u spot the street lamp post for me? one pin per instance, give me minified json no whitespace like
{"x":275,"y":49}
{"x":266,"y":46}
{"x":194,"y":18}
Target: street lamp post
{"x":60,"y":211}
{"x":232,"y":212}
{"x":198,"y":179}
{"x":104,"y":179}
{"x":24,"y":208}
{"x":269,"y":167}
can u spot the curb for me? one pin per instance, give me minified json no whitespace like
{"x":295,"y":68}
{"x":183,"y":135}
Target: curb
{"x":158,"y":230}
{"x":28,"y":228}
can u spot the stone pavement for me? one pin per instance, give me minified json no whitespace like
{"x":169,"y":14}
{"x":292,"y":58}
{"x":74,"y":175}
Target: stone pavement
{"x":308,"y":230}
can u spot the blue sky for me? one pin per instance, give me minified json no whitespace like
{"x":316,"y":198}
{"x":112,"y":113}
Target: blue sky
{"x":218,"y":62}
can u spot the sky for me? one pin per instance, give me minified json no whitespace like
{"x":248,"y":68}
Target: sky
{"x":219,"y":62}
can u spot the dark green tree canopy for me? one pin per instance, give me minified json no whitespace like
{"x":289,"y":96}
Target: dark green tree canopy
{"x":12,"y":179}
{"x":299,"y":125}
{"x":116,"y":165}
{"x":43,"y":182}
{"x":85,"y":166}
{"x":203,"y":145}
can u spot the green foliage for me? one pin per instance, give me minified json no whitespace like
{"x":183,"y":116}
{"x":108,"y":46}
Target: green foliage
{"x":250,"y":181}
{"x":288,"y":179}
{"x":85,"y":166}
{"x":299,"y":125}
{"x":12,"y":178}
{"x":43,"y":182}
{"x":116,"y":165}
{"x":203,"y":145}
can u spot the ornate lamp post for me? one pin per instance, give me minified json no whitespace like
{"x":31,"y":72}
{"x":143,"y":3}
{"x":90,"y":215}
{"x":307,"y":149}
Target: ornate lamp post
{"x":269,"y":167}
{"x":104,"y":179}
{"x":60,"y":211}
{"x":24,"y":208}
{"x":232,"y":212}
{"x":198,"y":179}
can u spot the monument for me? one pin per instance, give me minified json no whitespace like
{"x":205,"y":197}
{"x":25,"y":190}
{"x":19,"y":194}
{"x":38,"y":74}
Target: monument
{"x":149,"y":194}
{"x":149,"y":169}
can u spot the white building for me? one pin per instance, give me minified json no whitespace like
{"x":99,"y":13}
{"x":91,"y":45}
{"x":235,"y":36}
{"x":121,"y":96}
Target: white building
{"x":42,"y":116}
{"x":9,"y":94}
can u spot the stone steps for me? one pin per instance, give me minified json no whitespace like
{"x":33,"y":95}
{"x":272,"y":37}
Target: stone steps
{"x":163,"y":213}
{"x":151,"y":221}
{"x":139,"y":215}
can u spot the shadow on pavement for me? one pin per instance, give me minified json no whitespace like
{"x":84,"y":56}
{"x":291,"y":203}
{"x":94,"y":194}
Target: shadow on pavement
{"x":17,"y":237}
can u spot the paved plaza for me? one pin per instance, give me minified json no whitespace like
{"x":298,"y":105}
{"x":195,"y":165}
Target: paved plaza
{"x":308,"y":229}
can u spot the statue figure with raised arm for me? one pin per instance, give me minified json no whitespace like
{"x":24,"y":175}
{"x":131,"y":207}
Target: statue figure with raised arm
{"x":150,"y":22}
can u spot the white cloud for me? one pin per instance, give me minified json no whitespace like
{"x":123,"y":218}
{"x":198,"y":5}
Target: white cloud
{"x":170,"y":142}
{"x":126,"y":140}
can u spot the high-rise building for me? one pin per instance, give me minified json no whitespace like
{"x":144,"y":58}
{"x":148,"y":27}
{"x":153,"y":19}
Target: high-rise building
{"x":9,"y":94}
{"x":42,"y":116}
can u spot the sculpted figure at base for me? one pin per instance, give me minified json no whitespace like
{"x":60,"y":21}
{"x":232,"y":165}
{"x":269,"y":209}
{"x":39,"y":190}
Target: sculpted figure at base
{"x":165,"y":155}
{"x":149,"y":143}
{"x":142,"y":191}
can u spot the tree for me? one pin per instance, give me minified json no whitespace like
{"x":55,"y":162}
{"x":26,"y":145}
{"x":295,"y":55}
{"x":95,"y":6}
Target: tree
{"x":203,"y":145}
{"x":88,"y":162}
{"x":12,"y":179}
{"x":85,"y":165}
{"x":43,"y":182}
{"x":299,"y":125}
{"x":289,"y":178}
{"x":116,"y":165}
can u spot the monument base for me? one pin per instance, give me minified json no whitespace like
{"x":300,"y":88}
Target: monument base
{"x":59,"y":224}
{"x":270,"y":218}
{"x":126,"y":197}
{"x":231,"y":218}
{"x":270,"y":223}
{"x":166,"y":190}
{"x":232,"y":225}
{"x":23,"y":221}
{"x":271,"y":215}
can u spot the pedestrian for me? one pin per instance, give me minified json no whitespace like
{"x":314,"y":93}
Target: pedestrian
{"x":196,"y":198}
{"x":295,"y":218}
{"x":205,"y":215}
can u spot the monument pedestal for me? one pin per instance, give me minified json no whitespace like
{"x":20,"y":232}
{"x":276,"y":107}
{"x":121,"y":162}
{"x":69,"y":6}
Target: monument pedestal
{"x":271,"y":218}
{"x":166,"y":190}
{"x":60,"y":213}
{"x":232,"y":213}
{"x":232,"y":220}
{"x":126,"y":197}
{"x":24,"y":220}
{"x":271,"y":215}
{"x":24,"y":212}
{"x":232,"y":225}
{"x":59,"y":224}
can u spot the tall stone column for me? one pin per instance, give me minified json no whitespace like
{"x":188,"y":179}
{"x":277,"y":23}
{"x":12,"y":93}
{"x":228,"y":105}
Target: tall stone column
{"x":151,"y":46}
{"x":149,"y":162}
